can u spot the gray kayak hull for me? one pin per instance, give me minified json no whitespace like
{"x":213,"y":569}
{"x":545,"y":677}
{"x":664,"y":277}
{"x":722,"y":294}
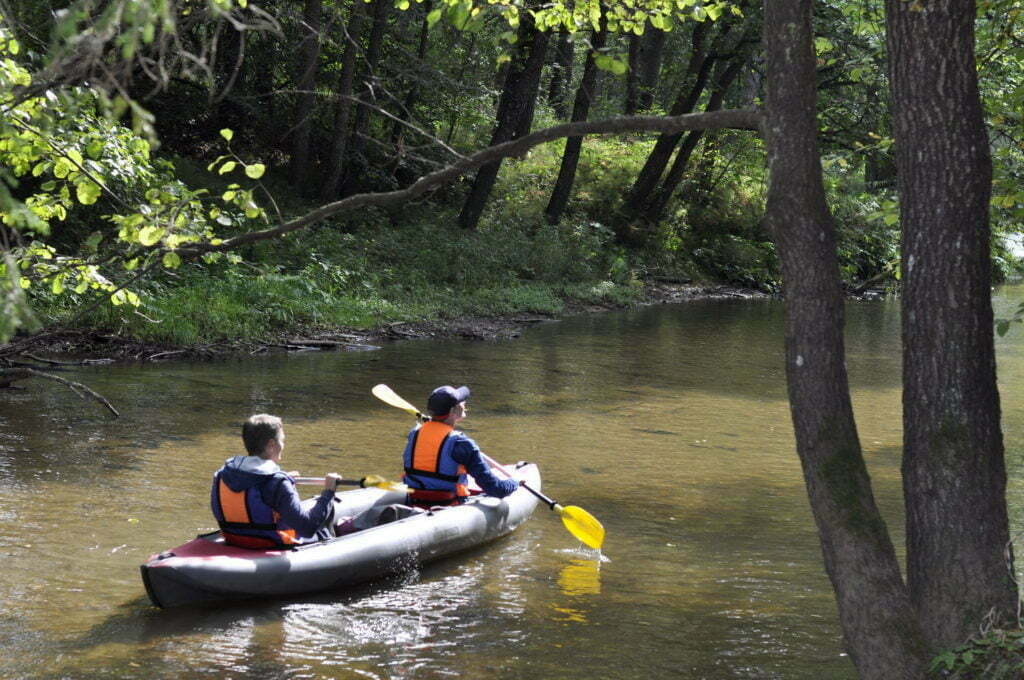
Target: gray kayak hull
{"x":207,"y":570}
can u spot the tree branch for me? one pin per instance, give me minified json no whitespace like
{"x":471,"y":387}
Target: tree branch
{"x":739,"y":119}
{"x":9,"y":375}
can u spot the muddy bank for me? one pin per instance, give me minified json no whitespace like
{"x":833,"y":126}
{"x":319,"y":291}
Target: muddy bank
{"x":77,"y":347}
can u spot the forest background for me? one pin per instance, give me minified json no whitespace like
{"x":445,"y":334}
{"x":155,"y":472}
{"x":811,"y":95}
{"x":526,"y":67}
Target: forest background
{"x":140,"y":129}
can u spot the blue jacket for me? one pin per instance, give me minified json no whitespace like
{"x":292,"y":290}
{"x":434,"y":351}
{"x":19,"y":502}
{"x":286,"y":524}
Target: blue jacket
{"x":271,"y":499}
{"x":459,"y":450}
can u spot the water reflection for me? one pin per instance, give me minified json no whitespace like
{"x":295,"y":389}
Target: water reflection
{"x":580,"y":577}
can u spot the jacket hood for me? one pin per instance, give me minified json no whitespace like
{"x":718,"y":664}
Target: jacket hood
{"x":243,"y":472}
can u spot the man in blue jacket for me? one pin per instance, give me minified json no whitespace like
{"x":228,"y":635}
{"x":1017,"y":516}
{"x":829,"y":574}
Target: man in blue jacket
{"x":438,"y":457}
{"x":256,"y":504}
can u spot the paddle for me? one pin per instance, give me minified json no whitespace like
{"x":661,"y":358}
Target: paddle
{"x":578,"y":521}
{"x":367,"y":481}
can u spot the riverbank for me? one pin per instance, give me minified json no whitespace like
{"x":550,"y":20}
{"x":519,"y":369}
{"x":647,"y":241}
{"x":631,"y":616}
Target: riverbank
{"x":76,"y":346}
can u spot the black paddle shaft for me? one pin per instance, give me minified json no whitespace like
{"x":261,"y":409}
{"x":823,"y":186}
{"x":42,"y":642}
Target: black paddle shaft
{"x":551,"y":504}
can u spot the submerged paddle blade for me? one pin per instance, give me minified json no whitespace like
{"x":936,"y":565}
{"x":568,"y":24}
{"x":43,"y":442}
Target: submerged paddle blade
{"x":388,"y":396}
{"x":582,"y":525}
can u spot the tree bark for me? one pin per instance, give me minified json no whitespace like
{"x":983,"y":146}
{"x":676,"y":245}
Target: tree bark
{"x":305,"y":83}
{"x":357,"y":164}
{"x":343,"y":104}
{"x":954,"y":474}
{"x":515,"y":112}
{"x":561,"y":77}
{"x":880,"y":629}
{"x":580,"y":110}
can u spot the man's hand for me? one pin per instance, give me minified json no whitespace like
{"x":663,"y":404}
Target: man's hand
{"x":331,"y":481}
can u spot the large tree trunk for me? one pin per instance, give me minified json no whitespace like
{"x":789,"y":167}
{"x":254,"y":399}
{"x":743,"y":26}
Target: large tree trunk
{"x":879,"y":625}
{"x":343,"y":104}
{"x":515,"y":112}
{"x":305,"y":83}
{"x":698,"y":71}
{"x":356,"y":166}
{"x":954,"y":474}
{"x":580,"y":110}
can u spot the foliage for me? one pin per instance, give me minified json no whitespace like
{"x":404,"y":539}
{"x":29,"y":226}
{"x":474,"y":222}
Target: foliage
{"x":999,"y":654}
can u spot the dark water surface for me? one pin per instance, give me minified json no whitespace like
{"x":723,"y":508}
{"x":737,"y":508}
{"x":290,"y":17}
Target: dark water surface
{"x":668,"y":423}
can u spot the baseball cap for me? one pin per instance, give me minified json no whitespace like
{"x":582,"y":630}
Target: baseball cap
{"x":442,"y":400}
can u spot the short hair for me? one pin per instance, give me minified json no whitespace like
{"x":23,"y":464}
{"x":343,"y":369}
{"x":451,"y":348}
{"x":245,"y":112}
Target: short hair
{"x":259,"y":431}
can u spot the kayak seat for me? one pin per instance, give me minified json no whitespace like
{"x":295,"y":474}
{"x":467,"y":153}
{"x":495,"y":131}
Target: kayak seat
{"x":375,"y":517}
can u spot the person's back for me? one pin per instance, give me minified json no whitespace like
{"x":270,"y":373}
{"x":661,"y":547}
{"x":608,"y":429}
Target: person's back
{"x":438,"y":458}
{"x":256,"y":504}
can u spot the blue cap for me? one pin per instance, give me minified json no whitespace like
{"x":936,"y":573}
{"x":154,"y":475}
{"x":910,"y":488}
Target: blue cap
{"x":442,"y":400}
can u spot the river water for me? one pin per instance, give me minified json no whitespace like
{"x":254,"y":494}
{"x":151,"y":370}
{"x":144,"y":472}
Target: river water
{"x":668,"y":423}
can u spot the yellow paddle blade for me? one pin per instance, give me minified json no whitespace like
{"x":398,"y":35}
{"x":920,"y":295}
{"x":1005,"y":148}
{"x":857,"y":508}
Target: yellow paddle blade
{"x":388,"y":396}
{"x":582,"y":525}
{"x":381,"y":483}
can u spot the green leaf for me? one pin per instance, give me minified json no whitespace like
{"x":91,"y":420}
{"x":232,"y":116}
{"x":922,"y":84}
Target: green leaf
{"x":227,"y":134}
{"x":57,"y":285}
{"x":255,"y":171}
{"x":150,"y":236}
{"x":227,"y":167}
{"x":88,"y":192}
{"x":172,"y":260}
{"x":433,"y":17}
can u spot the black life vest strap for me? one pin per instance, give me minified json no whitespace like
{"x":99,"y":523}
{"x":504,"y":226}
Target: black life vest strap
{"x":228,"y":526}
{"x":433,"y":475}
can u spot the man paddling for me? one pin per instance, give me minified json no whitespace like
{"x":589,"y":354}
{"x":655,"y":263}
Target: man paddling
{"x":438,"y":457}
{"x":256,"y":504}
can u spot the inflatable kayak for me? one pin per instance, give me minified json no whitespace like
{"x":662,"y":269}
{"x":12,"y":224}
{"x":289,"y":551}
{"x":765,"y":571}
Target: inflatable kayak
{"x":206,"y":569}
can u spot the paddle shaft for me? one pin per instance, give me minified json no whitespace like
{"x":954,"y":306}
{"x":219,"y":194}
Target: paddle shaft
{"x":501,"y":468}
{"x":320,"y":481}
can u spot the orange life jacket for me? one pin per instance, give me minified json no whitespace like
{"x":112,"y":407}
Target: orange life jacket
{"x":246,"y":521}
{"x":433,"y":476}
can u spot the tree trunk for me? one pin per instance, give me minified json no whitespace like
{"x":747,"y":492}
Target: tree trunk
{"x":630,"y":103}
{"x":954,"y":474}
{"x":357,"y":164}
{"x":675,"y":174}
{"x":305,"y":83}
{"x":879,"y":626}
{"x":697,"y":72}
{"x":561,"y":78}
{"x":343,"y":106}
{"x":412,"y":95}
{"x":580,"y":110}
{"x":515,"y":112}
{"x":652,"y":46}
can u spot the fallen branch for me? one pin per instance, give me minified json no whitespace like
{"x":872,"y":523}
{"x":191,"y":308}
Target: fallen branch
{"x":10,"y":375}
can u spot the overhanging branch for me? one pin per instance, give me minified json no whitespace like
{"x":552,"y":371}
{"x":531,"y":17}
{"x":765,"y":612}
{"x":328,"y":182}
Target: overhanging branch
{"x":737,"y":119}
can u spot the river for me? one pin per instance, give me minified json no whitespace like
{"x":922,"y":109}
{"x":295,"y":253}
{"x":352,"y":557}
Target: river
{"x":669,"y":423}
